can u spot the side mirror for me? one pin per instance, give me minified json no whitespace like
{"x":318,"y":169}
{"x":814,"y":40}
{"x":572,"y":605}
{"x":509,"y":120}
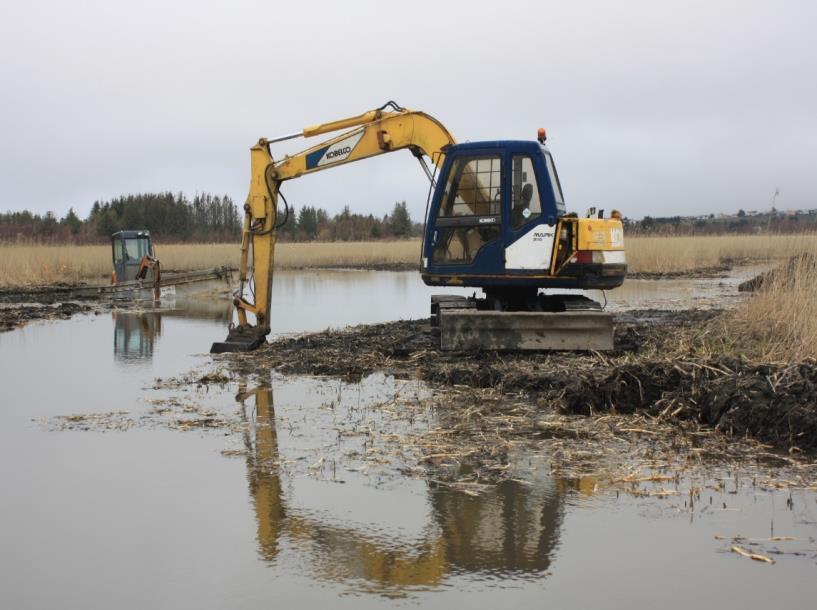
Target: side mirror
{"x":551,"y":221}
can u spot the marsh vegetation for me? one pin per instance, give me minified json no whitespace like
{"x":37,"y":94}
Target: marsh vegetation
{"x":32,"y":264}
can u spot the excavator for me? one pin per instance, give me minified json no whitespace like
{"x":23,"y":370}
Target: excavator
{"x":495,"y":220}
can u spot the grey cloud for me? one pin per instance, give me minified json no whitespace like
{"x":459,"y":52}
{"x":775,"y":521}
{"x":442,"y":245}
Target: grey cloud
{"x":652,"y":108}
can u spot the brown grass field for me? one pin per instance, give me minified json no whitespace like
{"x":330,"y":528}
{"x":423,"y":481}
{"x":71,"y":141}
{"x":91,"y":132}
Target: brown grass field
{"x":777,"y":324}
{"x":26,"y":265}
{"x":29,"y":265}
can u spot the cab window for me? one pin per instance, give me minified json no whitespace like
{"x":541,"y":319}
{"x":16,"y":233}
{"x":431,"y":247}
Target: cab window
{"x":554,"y":181}
{"x":136,"y":248}
{"x":470,"y":209}
{"x":525,"y":202}
{"x":459,"y":245}
{"x":117,"y":251}
{"x":473,"y":187}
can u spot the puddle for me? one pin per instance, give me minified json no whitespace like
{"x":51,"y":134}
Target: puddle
{"x":300,"y":491}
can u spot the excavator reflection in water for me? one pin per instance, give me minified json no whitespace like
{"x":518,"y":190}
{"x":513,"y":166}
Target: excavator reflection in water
{"x":513,"y":529}
{"x":136,"y":332}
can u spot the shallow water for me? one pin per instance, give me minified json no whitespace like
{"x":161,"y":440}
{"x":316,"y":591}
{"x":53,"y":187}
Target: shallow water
{"x":304,"y":497}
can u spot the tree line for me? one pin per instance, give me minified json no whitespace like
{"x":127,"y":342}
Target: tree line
{"x":741,"y":223}
{"x":311,"y":223}
{"x":204,"y":218}
{"x":175,"y":217}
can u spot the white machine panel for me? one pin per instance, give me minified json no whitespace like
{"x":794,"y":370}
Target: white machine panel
{"x":531,"y":251}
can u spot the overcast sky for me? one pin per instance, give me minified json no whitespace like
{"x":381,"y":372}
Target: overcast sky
{"x":651,"y":107}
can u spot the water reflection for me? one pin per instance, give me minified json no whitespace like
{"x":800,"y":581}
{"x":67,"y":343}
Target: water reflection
{"x":134,"y":335}
{"x":513,"y":529}
{"x":137,"y":332}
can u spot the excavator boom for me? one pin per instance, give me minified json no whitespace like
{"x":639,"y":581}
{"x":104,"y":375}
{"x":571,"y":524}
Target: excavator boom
{"x":372,"y":133}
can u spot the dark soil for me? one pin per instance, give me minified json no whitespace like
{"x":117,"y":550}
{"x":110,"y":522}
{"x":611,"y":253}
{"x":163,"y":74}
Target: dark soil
{"x":413,"y":266}
{"x":774,"y":403}
{"x":19,"y":306}
{"x":719,"y":271}
{"x":12,"y":316}
{"x":45,"y":295}
{"x":408,"y":349}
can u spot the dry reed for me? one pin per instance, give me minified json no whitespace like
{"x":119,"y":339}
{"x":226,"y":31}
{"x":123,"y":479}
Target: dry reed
{"x":35,"y":264}
{"x":45,"y":264}
{"x":679,"y":254}
{"x":779,"y":322}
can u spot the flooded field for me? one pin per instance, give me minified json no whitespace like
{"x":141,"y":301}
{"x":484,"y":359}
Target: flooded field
{"x":123,"y":488}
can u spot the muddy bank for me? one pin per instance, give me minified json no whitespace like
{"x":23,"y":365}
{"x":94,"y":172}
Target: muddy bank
{"x":14,"y":316}
{"x":721,"y":270}
{"x":393,"y":266}
{"x":718,"y":271}
{"x":44,"y":295}
{"x":407,"y":349}
{"x":774,"y":403}
{"x":21,"y":305}
{"x":784,"y":277}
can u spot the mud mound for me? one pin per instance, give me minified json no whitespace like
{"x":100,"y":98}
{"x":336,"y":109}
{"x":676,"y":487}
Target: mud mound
{"x":13,"y":316}
{"x":783,"y":276}
{"x":20,"y":305}
{"x":408,"y":349}
{"x":716,"y":271}
{"x":44,"y":295}
{"x":773,"y":403}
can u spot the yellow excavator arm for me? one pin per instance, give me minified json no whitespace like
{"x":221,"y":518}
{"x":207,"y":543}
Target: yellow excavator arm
{"x":372,"y":133}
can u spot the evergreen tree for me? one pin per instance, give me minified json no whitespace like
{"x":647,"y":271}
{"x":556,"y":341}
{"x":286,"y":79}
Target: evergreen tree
{"x":400,"y":220}
{"x":308,"y":222}
{"x":72,"y":222}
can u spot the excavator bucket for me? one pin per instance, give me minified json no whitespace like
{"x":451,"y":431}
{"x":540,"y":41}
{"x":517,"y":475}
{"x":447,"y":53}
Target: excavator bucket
{"x":239,"y":340}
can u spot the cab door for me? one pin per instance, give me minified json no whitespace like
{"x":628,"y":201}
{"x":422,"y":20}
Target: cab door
{"x":530,"y":227}
{"x":465,"y":220}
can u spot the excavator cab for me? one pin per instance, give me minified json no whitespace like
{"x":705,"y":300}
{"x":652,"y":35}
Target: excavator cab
{"x":128,"y":249}
{"x":497,"y":221}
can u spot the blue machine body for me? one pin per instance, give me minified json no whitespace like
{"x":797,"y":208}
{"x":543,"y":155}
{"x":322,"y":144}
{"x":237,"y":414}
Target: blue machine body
{"x":489,"y":223}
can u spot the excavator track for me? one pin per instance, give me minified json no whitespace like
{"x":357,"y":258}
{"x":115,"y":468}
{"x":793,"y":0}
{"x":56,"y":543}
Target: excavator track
{"x":576,"y":323}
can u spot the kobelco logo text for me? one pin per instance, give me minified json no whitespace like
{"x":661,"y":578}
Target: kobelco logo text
{"x":336,"y":153}
{"x":340,"y":151}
